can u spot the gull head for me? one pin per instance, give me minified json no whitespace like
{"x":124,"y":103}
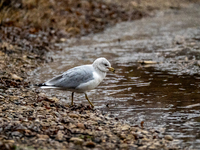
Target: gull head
{"x":103,"y":65}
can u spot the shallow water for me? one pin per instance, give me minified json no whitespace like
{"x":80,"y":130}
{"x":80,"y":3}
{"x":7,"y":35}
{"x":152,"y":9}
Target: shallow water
{"x":163,"y":95}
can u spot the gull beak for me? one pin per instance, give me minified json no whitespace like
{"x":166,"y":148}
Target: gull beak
{"x":112,"y":69}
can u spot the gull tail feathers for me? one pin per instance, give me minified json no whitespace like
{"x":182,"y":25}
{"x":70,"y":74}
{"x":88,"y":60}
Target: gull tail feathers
{"x":45,"y":86}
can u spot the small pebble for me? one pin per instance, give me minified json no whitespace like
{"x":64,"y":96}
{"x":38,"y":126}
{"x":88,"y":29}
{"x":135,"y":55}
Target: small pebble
{"x":168,"y":137}
{"x":76,"y":140}
{"x":90,"y":144}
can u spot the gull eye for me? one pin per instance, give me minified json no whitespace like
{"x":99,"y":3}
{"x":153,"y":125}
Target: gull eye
{"x":106,"y":65}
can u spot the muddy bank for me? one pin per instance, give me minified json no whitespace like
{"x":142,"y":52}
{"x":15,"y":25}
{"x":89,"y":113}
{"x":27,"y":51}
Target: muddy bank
{"x":30,"y":29}
{"x":157,"y":76}
{"x":47,"y":124}
{"x":30,"y":119}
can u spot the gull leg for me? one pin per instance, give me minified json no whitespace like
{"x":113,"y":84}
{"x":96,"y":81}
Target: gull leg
{"x":89,"y":100}
{"x":72,"y":99}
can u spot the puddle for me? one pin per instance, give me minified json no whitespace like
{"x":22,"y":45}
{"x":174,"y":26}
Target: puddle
{"x":163,"y":95}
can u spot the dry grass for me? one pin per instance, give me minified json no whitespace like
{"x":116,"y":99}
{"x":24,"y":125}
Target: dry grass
{"x":77,"y":17}
{"x":32,"y":13}
{"x":67,"y":13}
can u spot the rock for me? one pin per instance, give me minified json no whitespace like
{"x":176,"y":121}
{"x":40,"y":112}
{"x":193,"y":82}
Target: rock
{"x":2,"y":53}
{"x":63,"y":39}
{"x":123,"y":146}
{"x":53,"y":99}
{"x":42,"y":95}
{"x":198,"y":62}
{"x":133,"y":147}
{"x":28,"y":133}
{"x":45,"y":124}
{"x":71,"y":126}
{"x":144,"y":62}
{"x":97,"y":119}
{"x":13,"y":98}
{"x":140,"y":136}
{"x":158,"y":144}
{"x":144,"y":132}
{"x":130,"y":137}
{"x":16,"y":77}
{"x":61,"y":127}
{"x":152,"y":147}
{"x":97,"y":140}
{"x":65,"y":120}
{"x":110,"y":145}
{"x":42,"y":137}
{"x":144,"y":140}
{"x":76,"y":140}
{"x":53,"y":123}
{"x":168,"y":137}
{"x":73,"y":30}
{"x":72,"y":115}
{"x":86,"y":4}
{"x":99,"y":128}
{"x":9,"y":141}
{"x":122,"y":136}
{"x":1,"y":97}
{"x":179,"y":40}
{"x":90,"y":122}
{"x":81,"y":125}
{"x":59,"y":136}
{"x":125,"y":127}
{"x":142,"y":147}
{"x":7,"y":145}
{"x":16,"y":133}
{"x":90,"y":144}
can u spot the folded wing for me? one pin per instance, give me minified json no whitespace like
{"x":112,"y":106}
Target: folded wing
{"x":72,"y":78}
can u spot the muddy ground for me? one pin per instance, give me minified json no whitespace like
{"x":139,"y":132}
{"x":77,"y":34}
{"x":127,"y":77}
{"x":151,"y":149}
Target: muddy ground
{"x":29,"y":119}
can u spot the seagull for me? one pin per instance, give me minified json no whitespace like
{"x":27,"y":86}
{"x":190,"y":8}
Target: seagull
{"x":80,"y":79}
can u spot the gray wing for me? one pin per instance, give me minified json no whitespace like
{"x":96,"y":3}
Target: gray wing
{"x":73,"y":77}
